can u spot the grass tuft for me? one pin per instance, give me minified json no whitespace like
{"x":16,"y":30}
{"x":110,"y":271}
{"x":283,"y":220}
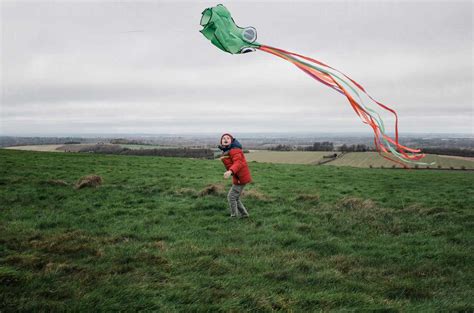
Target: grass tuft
{"x":310,"y":198}
{"x":89,"y":181}
{"x":255,"y":194}
{"x":355,"y":203}
{"x":212,"y":189}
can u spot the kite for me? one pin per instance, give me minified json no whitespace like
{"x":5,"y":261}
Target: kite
{"x":220,"y":28}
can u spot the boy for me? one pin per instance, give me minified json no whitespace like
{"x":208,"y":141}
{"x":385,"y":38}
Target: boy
{"x":236,"y":165}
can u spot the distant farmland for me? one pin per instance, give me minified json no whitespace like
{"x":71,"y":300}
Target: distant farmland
{"x":287,"y":157}
{"x":367,"y":159}
{"x":77,"y":147}
{"x":354,"y":159}
{"x":44,"y":148}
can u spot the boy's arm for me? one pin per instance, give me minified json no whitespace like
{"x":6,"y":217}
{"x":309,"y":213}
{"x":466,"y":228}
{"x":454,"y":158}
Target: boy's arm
{"x":227,"y":161}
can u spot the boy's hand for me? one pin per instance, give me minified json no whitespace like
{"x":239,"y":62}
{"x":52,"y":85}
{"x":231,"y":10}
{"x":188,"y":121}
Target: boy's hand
{"x":227,"y":174}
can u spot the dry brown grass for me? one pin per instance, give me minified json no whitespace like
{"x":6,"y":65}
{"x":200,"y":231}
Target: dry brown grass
{"x":212,"y":189}
{"x":55,"y":182}
{"x":185,"y":191}
{"x":75,"y":243}
{"x":313,"y":198}
{"x":160,"y":245}
{"x":255,"y":194}
{"x":345,"y":263}
{"x":89,"y":181}
{"x":422,"y":210}
{"x":355,"y":203}
{"x":62,"y":267}
{"x":27,"y":261}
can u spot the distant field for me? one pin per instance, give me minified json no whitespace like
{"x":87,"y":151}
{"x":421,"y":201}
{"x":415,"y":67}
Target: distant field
{"x":76,"y":147}
{"x":367,"y":159}
{"x":48,"y":148}
{"x":286,"y":157}
{"x":354,"y":159}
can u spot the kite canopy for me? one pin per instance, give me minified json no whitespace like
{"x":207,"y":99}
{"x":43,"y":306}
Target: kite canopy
{"x":221,"y":30}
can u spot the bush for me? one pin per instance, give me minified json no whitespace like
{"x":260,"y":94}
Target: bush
{"x":103,"y":148}
{"x":450,"y":151}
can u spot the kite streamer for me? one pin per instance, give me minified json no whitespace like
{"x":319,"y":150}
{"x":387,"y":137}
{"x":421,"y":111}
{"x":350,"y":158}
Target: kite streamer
{"x":221,"y":30}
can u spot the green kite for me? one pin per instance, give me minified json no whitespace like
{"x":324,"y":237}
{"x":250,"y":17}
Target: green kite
{"x":221,"y":30}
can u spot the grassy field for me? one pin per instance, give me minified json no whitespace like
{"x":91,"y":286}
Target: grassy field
{"x":154,"y":238}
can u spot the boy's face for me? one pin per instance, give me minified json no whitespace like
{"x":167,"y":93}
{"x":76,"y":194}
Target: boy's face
{"x":226,"y":140}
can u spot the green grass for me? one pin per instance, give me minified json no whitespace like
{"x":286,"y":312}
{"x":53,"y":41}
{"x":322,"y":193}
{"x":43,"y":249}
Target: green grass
{"x":320,"y":238}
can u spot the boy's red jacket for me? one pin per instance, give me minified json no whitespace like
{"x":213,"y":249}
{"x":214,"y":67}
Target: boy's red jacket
{"x":235,"y":162}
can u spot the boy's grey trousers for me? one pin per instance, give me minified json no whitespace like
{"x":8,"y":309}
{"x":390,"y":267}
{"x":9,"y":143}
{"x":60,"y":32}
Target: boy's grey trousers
{"x":235,"y":205}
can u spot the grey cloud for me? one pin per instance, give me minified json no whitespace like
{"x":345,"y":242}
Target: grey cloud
{"x":70,"y":64}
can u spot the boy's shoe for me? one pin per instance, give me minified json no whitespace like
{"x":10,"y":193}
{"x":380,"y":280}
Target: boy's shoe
{"x":233,"y":215}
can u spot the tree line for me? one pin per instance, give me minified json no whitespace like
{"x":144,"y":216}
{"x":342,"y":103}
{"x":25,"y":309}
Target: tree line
{"x":171,"y":152}
{"x":323,"y":146}
{"x":450,"y":151}
{"x":329,"y":146}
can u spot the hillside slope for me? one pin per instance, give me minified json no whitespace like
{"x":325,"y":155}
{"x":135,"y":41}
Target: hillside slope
{"x":154,"y":238}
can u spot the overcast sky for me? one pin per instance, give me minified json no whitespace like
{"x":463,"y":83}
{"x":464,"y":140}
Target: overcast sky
{"x":87,"y":67}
